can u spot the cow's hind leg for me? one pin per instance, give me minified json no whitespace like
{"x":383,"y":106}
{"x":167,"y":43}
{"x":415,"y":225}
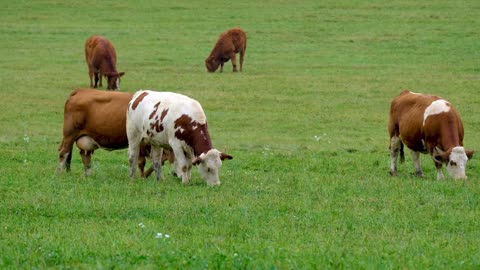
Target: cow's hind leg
{"x":395,"y":145}
{"x":242,"y":54}
{"x":97,"y":77}
{"x":416,"y":162}
{"x":133,"y":152}
{"x":86,"y":158}
{"x":65,"y":155}
{"x":157,"y":162}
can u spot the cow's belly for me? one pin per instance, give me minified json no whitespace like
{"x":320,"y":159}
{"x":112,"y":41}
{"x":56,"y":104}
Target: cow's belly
{"x":157,"y":139}
{"x":88,"y":143}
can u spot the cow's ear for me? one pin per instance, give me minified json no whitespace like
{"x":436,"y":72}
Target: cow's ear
{"x":196,"y":161}
{"x":469,"y":153}
{"x":224,"y":156}
{"x":121,"y":74}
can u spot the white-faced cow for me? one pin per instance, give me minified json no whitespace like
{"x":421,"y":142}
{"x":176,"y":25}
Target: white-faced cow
{"x":172,"y":121}
{"x":97,"y":119}
{"x":427,"y":124}
{"x":102,"y":60}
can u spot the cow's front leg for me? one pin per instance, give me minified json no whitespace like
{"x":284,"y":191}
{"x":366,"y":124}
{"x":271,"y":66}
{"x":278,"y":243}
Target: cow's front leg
{"x":416,"y":163}
{"x":394,"y":150}
{"x":157,"y":161}
{"x":439,"y":170}
{"x":183,"y":163}
{"x":234,"y":62}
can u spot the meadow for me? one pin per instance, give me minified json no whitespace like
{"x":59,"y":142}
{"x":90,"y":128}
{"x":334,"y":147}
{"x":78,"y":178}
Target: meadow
{"x":306,"y":122}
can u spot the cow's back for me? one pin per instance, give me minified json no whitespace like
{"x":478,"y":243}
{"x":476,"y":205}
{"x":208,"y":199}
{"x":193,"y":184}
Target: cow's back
{"x":98,"y":49}
{"x":406,"y":118}
{"x":96,"y":114}
{"x":160,"y":111}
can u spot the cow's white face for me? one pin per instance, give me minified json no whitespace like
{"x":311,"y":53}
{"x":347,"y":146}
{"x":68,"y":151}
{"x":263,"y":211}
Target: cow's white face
{"x":209,"y":166}
{"x":457,"y":163}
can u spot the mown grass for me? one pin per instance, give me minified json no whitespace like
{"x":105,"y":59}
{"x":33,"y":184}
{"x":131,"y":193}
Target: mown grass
{"x":306,"y":123}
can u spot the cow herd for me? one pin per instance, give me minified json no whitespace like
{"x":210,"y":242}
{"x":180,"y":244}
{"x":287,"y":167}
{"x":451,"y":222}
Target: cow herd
{"x":170,"y":126}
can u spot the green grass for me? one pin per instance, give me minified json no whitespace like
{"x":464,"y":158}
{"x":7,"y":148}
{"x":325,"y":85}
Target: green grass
{"x":306,"y":122}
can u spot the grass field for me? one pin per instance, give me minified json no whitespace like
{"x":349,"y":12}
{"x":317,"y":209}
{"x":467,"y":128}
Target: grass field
{"x":306,"y":122}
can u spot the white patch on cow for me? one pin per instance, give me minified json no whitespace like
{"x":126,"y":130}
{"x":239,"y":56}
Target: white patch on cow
{"x":437,"y":107}
{"x":457,"y":163}
{"x":117,"y":84}
{"x":414,"y":93}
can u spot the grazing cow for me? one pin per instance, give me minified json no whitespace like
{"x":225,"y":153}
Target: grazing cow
{"x":229,"y":43}
{"x":177,"y":122}
{"x":427,"y":124}
{"x":97,"y":119}
{"x":102,"y":60}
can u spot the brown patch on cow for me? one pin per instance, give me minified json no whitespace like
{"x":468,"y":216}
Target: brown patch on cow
{"x":138,"y":100}
{"x":155,"y":109}
{"x":193,"y":134}
{"x":164,"y":113}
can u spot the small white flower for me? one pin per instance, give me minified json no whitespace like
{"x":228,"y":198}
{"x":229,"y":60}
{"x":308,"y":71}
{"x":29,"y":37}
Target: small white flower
{"x":159,"y":235}
{"x":235,"y":254}
{"x":141,"y":225}
{"x":26,"y":138}
{"x":167,"y":236}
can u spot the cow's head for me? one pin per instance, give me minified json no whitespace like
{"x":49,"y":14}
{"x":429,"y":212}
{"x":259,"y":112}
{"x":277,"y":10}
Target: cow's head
{"x":113,"y":79}
{"x":211,"y":64}
{"x":209,"y":164}
{"x":455,"y":160}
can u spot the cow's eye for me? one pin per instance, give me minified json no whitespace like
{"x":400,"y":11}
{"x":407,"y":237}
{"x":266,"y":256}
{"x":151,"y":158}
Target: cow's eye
{"x":208,"y":170}
{"x":452,"y":163}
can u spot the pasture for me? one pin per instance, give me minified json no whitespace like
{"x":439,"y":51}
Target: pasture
{"x":306,"y":123}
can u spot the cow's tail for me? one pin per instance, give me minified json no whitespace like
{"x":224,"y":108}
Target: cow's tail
{"x":402,"y":154}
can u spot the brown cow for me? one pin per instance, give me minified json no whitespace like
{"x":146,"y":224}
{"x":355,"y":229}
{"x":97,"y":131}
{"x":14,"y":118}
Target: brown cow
{"x":229,"y":43}
{"x":97,"y":119}
{"x":427,"y":124}
{"x":102,"y":60}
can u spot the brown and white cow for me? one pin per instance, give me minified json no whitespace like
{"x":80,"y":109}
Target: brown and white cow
{"x":172,"y":121}
{"x":229,"y":43}
{"x":427,"y":124}
{"x":97,"y":119}
{"x":102,"y":60}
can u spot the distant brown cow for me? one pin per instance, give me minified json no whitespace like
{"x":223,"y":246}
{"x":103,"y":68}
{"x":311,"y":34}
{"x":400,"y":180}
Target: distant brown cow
{"x":102,"y":60}
{"x":97,"y":119}
{"x":427,"y":124}
{"x":229,"y":43}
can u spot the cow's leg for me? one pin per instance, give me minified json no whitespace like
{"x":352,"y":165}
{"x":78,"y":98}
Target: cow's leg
{"x":221,"y":66}
{"x":100,"y":79}
{"x":234,"y":61}
{"x":91,"y":75}
{"x":439,"y":170}
{"x":242,"y":54}
{"x":96,"y":79}
{"x":182,"y":165}
{"x":157,"y":161}
{"x":86,"y":158}
{"x":133,"y":152}
{"x":65,"y":155}
{"x":416,"y":162}
{"x":394,"y":150}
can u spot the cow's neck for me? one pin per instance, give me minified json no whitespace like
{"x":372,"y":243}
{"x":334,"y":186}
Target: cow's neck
{"x":201,"y":142}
